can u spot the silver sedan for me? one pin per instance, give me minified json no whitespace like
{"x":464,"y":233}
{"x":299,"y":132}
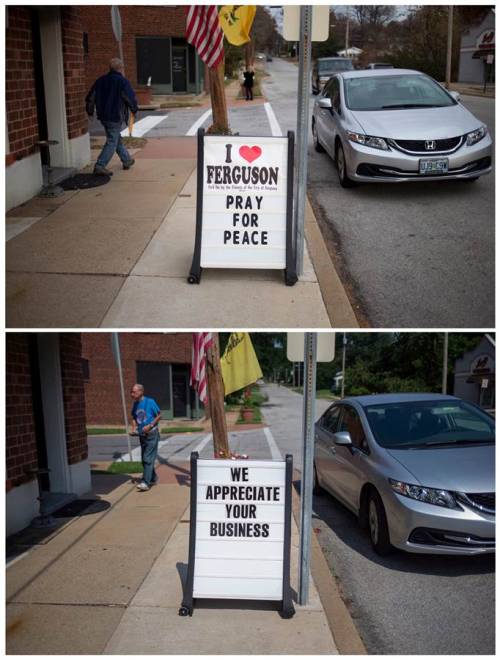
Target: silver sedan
{"x":395,"y":125}
{"x":418,"y":470}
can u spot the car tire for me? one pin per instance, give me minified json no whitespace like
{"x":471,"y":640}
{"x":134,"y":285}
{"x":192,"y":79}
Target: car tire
{"x":377,"y":525}
{"x":317,"y":144}
{"x":317,"y":488}
{"x":340,"y":163}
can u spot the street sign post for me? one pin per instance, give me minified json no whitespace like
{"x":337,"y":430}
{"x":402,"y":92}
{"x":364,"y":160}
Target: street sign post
{"x":116,"y":24}
{"x":310,"y":344}
{"x":240,"y":532}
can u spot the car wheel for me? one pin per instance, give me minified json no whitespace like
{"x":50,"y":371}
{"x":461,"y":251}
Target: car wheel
{"x":317,"y":488}
{"x":377,"y":525}
{"x":340,"y":162}
{"x":317,"y":144}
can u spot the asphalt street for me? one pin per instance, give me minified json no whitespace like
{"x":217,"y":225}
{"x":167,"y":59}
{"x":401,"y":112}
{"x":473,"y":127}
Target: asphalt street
{"x":410,"y":255}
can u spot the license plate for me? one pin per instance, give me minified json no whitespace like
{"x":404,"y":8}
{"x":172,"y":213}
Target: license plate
{"x":434,"y":166}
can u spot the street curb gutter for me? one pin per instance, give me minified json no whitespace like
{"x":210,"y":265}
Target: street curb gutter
{"x":342,"y":626}
{"x":338,"y":307}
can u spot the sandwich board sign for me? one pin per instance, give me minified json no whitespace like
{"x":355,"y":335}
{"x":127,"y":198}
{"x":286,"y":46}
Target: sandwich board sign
{"x":244,"y":204}
{"x":239,"y":534}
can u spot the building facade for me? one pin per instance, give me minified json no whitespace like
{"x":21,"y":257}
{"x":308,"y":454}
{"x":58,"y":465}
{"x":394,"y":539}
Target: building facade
{"x":154,"y":47}
{"x":45,"y":424}
{"x":475,"y":374}
{"x":44,"y":94}
{"x":159,"y":361}
{"x":477,"y":52}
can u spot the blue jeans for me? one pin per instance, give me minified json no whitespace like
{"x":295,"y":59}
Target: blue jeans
{"x":149,"y":450}
{"x":114,"y":143}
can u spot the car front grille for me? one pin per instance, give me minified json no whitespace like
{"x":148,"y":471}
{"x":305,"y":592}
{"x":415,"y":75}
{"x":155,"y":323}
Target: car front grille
{"x":482,"y":501}
{"x":428,"y":146}
{"x":427,"y":536}
{"x":375,"y":171}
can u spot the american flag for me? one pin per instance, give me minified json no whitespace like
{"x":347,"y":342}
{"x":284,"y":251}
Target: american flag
{"x":204,"y":32}
{"x":201,"y":341}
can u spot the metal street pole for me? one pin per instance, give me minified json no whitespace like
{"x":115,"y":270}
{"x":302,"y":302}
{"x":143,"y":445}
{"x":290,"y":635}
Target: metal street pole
{"x":445,"y":364}
{"x":309,"y":416}
{"x":302,"y":129}
{"x":347,"y":37}
{"x":344,"y":341}
{"x":115,"y":346}
{"x":449,"y":46}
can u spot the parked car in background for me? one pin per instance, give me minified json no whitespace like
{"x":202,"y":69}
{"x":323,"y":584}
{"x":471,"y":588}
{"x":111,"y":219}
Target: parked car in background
{"x":325,"y":67}
{"x":395,"y":125}
{"x":379,"y":65}
{"x":417,"y":469}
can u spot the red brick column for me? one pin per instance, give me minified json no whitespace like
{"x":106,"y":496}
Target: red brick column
{"x":74,"y":71}
{"x":73,"y":396}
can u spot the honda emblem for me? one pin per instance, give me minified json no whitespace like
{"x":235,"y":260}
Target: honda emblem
{"x":430,"y":145}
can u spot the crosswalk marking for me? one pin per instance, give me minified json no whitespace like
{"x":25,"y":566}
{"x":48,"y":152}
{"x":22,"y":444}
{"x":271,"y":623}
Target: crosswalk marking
{"x":273,"y":447}
{"x":203,"y":443}
{"x":273,"y":122}
{"x":199,"y":122}
{"x":144,"y":125}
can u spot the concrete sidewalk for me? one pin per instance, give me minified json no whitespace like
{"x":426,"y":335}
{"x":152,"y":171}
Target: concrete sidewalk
{"x":110,"y":581}
{"x":119,"y":255}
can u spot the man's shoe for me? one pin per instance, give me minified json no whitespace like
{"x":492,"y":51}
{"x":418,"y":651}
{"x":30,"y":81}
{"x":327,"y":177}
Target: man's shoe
{"x":99,"y":169}
{"x":128,"y":165}
{"x":142,"y":486}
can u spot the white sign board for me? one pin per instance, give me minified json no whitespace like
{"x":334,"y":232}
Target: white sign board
{"x":320,"y":22}
{"x":240,"y":529}
{"x":325,"y":350}
{"x":244,"y":202}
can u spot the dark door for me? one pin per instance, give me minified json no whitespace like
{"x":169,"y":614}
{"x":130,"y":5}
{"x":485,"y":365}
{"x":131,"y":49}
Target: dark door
{"x":179,"y":69}
{"x":153,"y":61}
{"x":180,"y":390}
{"x":155,"y":377}
{"x":39,"y":85}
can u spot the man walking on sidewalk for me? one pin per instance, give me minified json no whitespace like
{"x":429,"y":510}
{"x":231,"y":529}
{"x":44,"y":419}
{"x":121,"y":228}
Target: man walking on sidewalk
{"x":146,"y":415}
{"x":113,"y":97}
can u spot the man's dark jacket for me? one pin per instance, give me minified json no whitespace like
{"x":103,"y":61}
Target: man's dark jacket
{"x":113,"y":97}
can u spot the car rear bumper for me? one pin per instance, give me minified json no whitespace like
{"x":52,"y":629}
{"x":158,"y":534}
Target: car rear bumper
{"x":425,"y":528}
{"x":394,"y":166}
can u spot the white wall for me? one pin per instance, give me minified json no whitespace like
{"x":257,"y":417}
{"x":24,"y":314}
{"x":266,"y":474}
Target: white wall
{"x":80,"y":480}
{"x":23,"y":180}
{"x":21,"y":506}
{"x":79,"y":149}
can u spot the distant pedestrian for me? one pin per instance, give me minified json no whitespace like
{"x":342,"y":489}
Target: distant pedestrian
{"x":113,"y":98}
{"x":146,"y":415}
{"x":248,"y":76}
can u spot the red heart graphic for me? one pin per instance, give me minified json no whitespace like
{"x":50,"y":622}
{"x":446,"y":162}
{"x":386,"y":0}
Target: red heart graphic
{"x":250,"y":153}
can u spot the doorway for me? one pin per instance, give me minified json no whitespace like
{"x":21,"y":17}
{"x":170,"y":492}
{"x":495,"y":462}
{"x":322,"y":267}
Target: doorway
{"x":179,"y":69}
{"x":180,"y":390}
{"x":156,"y":379}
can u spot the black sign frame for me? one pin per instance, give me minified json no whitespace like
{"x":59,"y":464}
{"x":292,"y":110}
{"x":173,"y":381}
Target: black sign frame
{"x":286,"y":609}
{"x":290,"y":271}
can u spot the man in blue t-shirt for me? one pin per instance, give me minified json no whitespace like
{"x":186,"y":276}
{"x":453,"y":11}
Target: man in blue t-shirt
{"x":146,"y":414}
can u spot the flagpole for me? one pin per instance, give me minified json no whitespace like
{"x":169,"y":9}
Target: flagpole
{"x":115,"y":344}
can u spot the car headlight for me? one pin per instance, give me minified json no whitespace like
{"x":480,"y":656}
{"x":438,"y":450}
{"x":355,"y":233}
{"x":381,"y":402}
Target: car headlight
{"x":476,"y":135}
{"x":368,"y":140}
{"x":427,"y":495}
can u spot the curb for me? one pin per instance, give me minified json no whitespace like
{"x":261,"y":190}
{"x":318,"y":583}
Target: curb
{"x":338,"y":306}
{"x":341,"y":624}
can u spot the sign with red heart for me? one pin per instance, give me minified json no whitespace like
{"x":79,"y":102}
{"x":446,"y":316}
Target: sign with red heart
{"x":250,"y":153}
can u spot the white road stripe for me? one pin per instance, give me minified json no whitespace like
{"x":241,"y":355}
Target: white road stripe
{"x":201,"y":120}
{"x":144,"y":125}
{"x":273,"y":122}
{"x":275,"y":452}
{"x":203,"y":443}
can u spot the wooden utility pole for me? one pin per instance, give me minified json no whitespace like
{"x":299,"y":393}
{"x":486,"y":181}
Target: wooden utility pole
{"x":216,"y":399}
{"x":218,"y":99}
{"x":449,"y":45}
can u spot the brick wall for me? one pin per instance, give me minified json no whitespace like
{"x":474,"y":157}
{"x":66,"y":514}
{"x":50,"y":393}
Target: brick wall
{"x":21,"y":452}
{"x":73,"y":396}
{"x":74,"y":71}
{"x":20,"y":99}
{"x":102,"y":391}
{"x":137,"y":20}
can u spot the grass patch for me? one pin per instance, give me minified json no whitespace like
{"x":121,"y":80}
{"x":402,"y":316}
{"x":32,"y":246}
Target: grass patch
{"x":134,"y":142}
{"x":180,"y":104}
{"x":126,"y":467}
{"x":183,"y":429}
{"x":99,"y":430}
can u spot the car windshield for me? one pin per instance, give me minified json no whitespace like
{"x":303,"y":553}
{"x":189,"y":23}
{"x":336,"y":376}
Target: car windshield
{"x":425,"y":424}
{"x":332,"y":66}
{"x":394,"y":93}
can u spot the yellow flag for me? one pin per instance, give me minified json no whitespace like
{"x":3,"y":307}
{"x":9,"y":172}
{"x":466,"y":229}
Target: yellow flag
{"x":239,"y":364}
{"x":237,"y":23}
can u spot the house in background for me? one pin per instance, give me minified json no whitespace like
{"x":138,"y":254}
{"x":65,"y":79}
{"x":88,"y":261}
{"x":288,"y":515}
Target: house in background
{"x":45,"y":424}
{"x":154,"y":47}
{"x":159,"y":361}
{"x":477,"y":52}
{"x":44,"y":94}
{"x":475,"y":374}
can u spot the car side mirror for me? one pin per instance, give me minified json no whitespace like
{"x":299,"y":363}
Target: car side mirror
{"x":325,"y":103}
{"x":455,"y":95}
{"x":342,"y":438}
